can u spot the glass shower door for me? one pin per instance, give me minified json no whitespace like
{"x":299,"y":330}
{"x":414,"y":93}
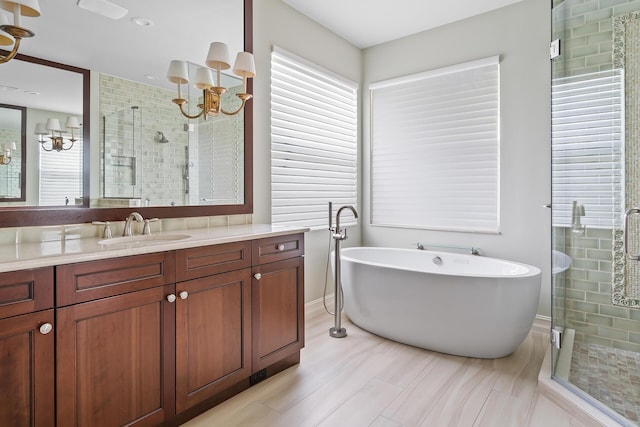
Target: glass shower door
{"x":595,"y":176}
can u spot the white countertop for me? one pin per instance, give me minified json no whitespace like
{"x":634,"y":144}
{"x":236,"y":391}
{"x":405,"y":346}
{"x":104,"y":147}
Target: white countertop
{"x":44,"y":254}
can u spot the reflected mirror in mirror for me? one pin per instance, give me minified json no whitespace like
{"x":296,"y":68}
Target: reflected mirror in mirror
{"x":49,"y":95}
{"x":12,"y":124}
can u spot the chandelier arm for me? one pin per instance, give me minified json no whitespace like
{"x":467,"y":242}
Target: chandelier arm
{"x":11,"y":54}
{"x":45,"y":148}
{"x":233,"y":113}
{"x":187,"y":115}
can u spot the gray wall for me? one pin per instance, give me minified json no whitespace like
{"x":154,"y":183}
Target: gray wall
{"x":275,"y":23}
{"x":520,"y":35}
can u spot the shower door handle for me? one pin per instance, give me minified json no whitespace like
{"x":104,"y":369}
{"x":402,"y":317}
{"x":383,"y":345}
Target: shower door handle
{"x":627,"y":215}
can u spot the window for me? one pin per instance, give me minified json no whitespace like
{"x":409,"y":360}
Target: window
{"x":313,"y":141}
{"x":61,"y":176}
{"x":435,"y":149}
{"x":587,"y":148}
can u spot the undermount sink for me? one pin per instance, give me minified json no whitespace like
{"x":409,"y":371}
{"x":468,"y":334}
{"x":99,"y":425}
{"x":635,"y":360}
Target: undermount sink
{"x":141,"y":240}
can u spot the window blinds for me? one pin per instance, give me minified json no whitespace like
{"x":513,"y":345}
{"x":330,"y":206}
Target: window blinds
{"x":587,"y":147}
{"x":435,"y":149}
{"x":61,"y":176}
{"x":313,"y":141}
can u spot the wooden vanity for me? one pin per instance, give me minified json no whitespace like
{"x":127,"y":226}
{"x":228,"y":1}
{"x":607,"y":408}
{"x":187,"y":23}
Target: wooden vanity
{"x":151,"y":338}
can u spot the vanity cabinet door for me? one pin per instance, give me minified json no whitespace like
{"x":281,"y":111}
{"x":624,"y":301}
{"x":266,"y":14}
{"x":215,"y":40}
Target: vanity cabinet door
{"x":27,"y":370}
{"x":213,"y":336}
{"x":116,"y":360}
{"x":277,"y":307}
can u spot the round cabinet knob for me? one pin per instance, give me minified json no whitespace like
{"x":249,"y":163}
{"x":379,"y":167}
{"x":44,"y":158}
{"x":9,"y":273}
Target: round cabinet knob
{"x":258,"y":276}
{"x":46,"y":328}
{"x":281,"y":247}
{"x":183,"y":295}
{"x":171,"y":298}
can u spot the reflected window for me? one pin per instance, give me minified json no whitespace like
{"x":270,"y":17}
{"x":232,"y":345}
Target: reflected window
{"x":61,"y":176}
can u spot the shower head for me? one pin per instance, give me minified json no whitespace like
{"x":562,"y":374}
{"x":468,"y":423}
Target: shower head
{"x":161,"y":138}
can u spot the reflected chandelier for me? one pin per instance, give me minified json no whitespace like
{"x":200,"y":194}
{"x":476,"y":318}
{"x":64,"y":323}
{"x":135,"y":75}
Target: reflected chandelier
{"x":217,"y":59}
{"x":12,"y":34}
{"x":57,"y":140}
{"x":5,"y":153}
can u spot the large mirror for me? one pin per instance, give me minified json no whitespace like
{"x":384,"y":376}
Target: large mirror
{"x":131,"y":148}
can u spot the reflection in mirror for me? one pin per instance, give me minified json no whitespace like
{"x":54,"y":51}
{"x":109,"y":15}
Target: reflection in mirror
{"x":12,"y":148}
{"x":138,"y":57}
{"x":51,"y":177}
{"x":151,"y":155}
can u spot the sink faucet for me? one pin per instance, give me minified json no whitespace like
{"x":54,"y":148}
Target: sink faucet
{"x":127,"y":223}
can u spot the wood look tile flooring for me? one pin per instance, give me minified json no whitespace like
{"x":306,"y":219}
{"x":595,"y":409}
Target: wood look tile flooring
{"x":365,"y":380}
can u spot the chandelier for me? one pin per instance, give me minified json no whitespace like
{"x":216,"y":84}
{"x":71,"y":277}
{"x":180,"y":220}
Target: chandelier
{"x":5,"y":154}
{"x":217,"y":60}
{"x":12,"y":34}
{"x":57,"y":140}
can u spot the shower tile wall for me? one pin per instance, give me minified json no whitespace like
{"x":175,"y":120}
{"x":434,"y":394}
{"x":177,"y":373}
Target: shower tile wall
{"x":587,"y":36}
{"x":587,"y":44}
{"x":587,"y":292}
{"x":159,"y":166}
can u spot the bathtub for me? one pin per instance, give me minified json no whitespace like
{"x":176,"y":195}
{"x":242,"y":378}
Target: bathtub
{"x":465,"y":305}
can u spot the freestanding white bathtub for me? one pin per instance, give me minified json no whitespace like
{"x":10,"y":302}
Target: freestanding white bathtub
{"x":466,"y":305}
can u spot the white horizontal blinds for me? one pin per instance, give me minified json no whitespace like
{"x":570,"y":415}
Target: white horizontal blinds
{"x":435,"y":149}
{"x":61,"y":175}
{"x":313,"y":142}
{"x":587,"y":147}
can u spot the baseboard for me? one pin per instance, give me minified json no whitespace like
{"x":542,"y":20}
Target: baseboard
{"x":315,"y":307}
{"x":541,"y":324}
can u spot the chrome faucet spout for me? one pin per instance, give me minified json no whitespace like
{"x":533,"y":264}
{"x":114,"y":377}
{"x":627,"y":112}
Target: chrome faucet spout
{"x":339,"y":233}
{"x":127,"y":223}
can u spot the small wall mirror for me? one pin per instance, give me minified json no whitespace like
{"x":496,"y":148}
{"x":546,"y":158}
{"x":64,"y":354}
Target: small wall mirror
{"x":12,"y":149}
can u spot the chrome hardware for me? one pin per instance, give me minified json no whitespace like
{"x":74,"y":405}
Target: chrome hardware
{"x":437,"y":260}
{"x":183,"y":295}
{"x":548,"y":206}
{"x":338,"y":234}
{"x":146,"y":229}
{"x":46,"y":328}
{"x":127,"y":223}
{"x":627,"y":215}
{"x":280,"y":247}
{"x":258,"y":276}
{"x":171,"y":298}
{"x":106,"y":231}
{"x":471,"y":250}
{"x":577,"y":212}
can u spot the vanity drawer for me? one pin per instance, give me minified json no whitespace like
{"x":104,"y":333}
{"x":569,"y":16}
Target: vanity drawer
{"x":25,"y":291}
{"x":205,"y":261}
{"x":92,"y":280}
{"x":277,"y":248}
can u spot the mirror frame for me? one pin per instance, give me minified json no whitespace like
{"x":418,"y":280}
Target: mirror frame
{"x":23,"y":153}
{"x":21,"y":216}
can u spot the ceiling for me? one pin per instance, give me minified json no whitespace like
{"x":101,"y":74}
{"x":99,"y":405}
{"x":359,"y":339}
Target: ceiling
{"x":366,"y":23}
{"x":67,"y":34}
